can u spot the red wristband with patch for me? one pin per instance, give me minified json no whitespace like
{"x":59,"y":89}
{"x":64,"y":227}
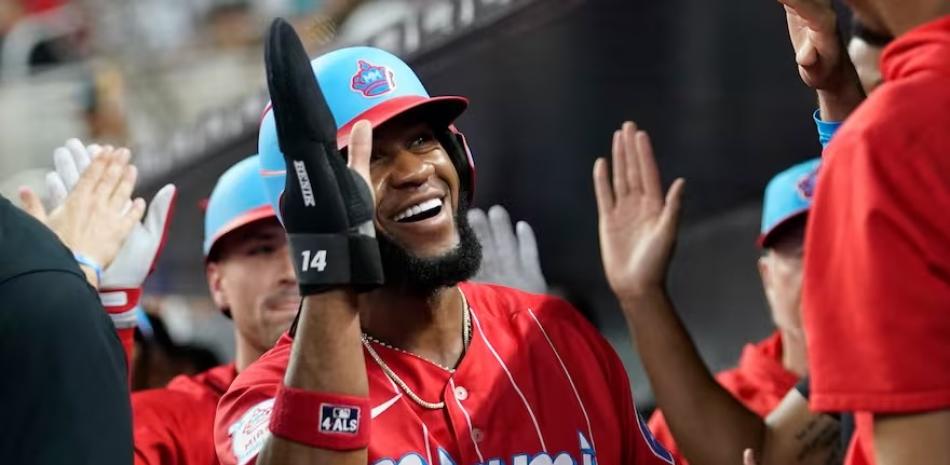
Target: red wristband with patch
{"x":320,"y":419}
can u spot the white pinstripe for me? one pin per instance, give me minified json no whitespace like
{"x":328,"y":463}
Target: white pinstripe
{"x":425,"y":435}
{"x":590,"y":432}
{"x":468,"y":419}
{"x":524,"y":400}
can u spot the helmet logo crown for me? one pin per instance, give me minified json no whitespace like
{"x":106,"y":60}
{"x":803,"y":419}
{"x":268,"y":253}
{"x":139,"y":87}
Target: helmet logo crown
{"x":371,"y":80}
{"x":806,"y":185}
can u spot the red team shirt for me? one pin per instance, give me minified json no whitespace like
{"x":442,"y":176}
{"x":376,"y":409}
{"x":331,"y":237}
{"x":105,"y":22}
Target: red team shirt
{"x":174,"y":425}
{"x":760,"y":382}
{"x":877,"y":255}
{"x":538,"y":385}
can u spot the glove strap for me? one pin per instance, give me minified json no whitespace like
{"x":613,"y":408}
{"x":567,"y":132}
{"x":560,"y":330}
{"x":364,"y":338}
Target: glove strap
{"x":366,"y":266}
{"x":120,"y":305}
{"x":325,"y":261}
{"x":320,"y":260}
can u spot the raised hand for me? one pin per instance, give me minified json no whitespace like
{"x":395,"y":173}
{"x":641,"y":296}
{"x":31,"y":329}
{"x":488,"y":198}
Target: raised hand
{"x":327,"y":207}
{"x":97,"y":215}
{"x":637,"y":223}
{"x":812,"y":28}
{"x":509,"y":257}
{"x":137,"y":257}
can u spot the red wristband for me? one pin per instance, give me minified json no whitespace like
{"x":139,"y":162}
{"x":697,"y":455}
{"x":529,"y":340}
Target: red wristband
{"x":320,"y":419}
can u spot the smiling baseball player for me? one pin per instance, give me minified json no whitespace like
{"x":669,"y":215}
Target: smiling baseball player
{"x":395,"y":359}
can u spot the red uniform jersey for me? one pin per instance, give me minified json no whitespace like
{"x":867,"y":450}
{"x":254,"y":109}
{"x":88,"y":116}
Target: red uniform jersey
{"x":538,"y":384}
{"x":174,"y":424}
{"x":877,"y":255}
{"x":760,"y":382}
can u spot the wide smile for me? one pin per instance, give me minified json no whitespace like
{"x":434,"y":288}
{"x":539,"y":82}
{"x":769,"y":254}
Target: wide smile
{"x":424,"y":222}
{"x":420,"y":211}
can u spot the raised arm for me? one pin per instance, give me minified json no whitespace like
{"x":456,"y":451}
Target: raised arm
{"x":327,"y":210}
{"x":637,"y":233}
{"x":123,"y":276}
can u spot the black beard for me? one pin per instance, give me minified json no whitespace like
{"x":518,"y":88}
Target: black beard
{"x":424,"y":276}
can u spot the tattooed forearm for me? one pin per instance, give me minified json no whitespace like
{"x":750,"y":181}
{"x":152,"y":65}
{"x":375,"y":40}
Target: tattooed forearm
{"x":818,"y":441}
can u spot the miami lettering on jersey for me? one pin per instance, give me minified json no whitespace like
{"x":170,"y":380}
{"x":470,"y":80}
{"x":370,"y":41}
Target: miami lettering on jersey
{"x":588,"y":457}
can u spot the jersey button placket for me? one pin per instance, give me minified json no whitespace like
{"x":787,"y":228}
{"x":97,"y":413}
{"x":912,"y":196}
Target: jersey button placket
{"x":455,"y":396}
{"x":461,"y":393}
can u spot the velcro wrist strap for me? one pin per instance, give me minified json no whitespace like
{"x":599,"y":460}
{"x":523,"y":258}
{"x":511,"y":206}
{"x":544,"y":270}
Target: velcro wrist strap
{"x":320,"y":259}
{"x":322,"y":420}
{"x":120,"y":305}
{"x":366,"y":267}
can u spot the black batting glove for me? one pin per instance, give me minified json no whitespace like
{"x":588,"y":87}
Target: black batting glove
{"x":327,"y":208}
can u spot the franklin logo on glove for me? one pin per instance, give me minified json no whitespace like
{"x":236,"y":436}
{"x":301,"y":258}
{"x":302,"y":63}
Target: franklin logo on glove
{"x":339,"y":419}
{"x":305,"y":187}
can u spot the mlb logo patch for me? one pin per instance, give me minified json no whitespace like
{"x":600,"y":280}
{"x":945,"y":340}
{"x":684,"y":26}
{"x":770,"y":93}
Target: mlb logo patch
{"x":339,"y":419}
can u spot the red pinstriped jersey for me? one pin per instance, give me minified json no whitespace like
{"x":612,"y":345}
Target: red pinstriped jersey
{"x":537,"y":385}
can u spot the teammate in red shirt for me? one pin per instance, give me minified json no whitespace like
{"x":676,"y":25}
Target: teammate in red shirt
{"x":878,"y":248}
{"x":444,"y":373}
{"x":768,"y":369}
{"x":251,"y":280}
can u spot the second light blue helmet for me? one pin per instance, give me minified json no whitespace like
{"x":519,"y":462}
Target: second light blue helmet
{"x":238,"y":199}
{"x":368,"y":83}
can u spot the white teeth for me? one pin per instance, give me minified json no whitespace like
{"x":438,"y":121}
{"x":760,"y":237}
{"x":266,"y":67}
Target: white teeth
{"x":418,"y":208}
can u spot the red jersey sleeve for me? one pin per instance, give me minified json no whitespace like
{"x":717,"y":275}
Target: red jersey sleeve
{"x":876,"y":293}
{"x":171,"y":428}
{"x":243,"y":415}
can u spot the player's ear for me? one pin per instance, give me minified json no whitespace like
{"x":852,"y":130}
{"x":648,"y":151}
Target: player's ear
{"x":215,"y":275}
{"x":765,"y":272}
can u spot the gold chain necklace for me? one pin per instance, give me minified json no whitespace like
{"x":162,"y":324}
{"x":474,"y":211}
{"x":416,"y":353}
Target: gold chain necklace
{"x":466,"y":340}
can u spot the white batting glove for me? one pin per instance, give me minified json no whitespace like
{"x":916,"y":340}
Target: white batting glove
{"x":121,"y":285}
{"x":507,"y":259}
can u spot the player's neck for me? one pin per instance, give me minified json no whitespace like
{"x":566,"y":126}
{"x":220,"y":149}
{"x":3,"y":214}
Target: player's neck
{"x":244,"y":352}
{"x":427,"y":326}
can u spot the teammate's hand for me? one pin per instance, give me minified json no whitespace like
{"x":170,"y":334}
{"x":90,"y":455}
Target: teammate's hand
{"x":327,"y":207}
{"x":97,"y":215}
{"x":637,"y":225}
{"x":812,"y":28}
{"x":139,"y":252}
{"x":507,"y":259}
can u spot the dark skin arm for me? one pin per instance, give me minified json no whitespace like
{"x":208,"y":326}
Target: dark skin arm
{"x":327,"y":353}
{"x":327,"y":356}
{"x":637,"y":233}
{"x":919,"y":438}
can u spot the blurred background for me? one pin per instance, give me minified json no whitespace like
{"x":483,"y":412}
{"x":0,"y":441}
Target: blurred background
{"x":181,"y":82}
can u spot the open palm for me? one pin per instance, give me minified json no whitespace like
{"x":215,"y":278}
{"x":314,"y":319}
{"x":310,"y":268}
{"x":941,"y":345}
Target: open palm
{"x":637,"y":223}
